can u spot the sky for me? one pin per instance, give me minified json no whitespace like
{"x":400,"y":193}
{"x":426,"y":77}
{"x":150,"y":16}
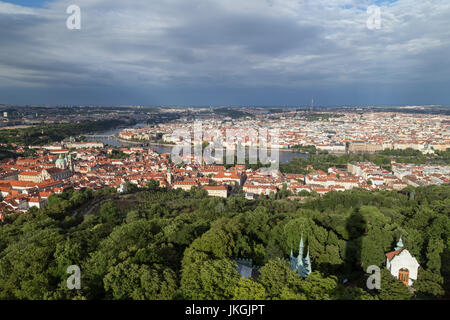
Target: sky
{"x":225,"y":52}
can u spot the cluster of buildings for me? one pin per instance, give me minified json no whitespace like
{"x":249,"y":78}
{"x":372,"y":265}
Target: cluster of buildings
{"x":421,"y":175}
{"x":350,"y":132}
{"x":140,"y":134}
{"x":28,"y":182}
{"x":402,"y":175}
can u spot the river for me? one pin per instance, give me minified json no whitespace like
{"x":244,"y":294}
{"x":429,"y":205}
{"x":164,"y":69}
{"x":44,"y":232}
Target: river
{"x":285,"y":156}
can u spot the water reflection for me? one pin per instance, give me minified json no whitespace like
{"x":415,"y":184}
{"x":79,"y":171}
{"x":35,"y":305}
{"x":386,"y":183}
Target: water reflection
{"x":285,"y":156}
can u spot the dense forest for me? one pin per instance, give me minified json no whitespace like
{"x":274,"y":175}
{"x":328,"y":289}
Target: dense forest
{"x":169,"y":244}
{"x":54,"y":132}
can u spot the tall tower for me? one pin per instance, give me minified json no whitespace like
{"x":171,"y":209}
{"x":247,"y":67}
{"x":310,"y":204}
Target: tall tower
{"x":70,"y":163}
{"x":300,"y":253}
{"x":312,"y":105}
{"x":300,"y":264}
{"x":306,"y":266}
{"x":399,"y":244}
{"x":169,"y":176}
{"x":293,"y":261}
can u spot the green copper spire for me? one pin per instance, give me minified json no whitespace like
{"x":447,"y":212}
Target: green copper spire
{"x":308,"y":268}
{"x":399,"y":244}
{"x":300,"y":252}
{"x":300,"y":264}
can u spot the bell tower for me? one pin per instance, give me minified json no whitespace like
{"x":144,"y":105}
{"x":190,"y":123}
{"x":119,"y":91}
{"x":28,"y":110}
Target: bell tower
{"x":169,"y":176}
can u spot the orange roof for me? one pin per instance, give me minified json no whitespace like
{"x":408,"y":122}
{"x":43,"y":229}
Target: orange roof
{"x":13,"y":183}
{"x":59,"y":151}
{"x":29,"y":173}
{"x":5,"y":188}
{"x":227,"y":175}
{"x":391,"y":255}
{"x":214,"y":188}
{"x":185,"y":183}
{"x":44,"y":194}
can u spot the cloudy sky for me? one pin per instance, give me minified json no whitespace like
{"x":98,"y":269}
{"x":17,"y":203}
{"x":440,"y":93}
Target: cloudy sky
{"x":225,"y":52}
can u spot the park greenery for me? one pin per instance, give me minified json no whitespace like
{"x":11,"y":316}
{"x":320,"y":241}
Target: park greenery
{"x":116,"y":154}
{"x":153,"y":243}
{"x":54,"y":132}
{"x":8,"y":152}
{"x":311,"y":117}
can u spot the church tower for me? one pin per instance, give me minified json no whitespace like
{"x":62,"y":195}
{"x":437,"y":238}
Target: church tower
{"x":293,"y":261}
{"x":169,"y":176}
{"x":60,"y":162}
{"x":300,"y":264}
{"x":399,"y":244}
{"x":300,"y":253}
{"x":306,"y":270}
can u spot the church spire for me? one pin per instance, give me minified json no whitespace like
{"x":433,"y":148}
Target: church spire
{"x":300,"y":264}
{"x":308,"y":268}
{"x":399,"y":244}
{"x":300,"y":253}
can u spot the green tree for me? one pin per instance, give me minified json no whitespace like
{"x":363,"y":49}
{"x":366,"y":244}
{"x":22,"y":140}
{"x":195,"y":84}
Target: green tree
{"x":140,"y":282}
{"x":210,"y":280}
{"x":248,"y":289}
{"x":392,"y":288}
{"x":110,"y":213}
{"x":318,"y":287}
{"x":279,"y":280}
{"x":429,"y":283}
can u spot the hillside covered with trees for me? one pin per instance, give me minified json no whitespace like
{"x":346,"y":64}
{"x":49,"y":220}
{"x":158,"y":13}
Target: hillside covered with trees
{"x":169,"y":244}
{"x":54,"y":132}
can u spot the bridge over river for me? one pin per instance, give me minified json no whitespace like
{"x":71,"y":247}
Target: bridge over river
{"x":101,"y":136}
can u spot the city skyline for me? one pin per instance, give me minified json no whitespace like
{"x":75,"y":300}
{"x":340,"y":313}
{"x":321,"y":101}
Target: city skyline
{"x":277,"y":52}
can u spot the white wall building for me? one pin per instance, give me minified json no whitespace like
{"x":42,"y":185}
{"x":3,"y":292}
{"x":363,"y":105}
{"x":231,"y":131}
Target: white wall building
{"x":402,"y":264}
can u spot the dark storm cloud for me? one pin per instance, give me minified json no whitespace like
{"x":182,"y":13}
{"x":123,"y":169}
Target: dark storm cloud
{"x":256,"y":35}
{"x":225,"y":51}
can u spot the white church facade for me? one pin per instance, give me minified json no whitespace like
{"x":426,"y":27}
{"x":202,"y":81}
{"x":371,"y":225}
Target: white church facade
{"x":402,"y":264}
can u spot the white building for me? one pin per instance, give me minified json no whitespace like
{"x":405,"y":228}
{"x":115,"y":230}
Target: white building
{"x":217,"y":191}
{"x":402,"y":264}
{"x":122,"y":188}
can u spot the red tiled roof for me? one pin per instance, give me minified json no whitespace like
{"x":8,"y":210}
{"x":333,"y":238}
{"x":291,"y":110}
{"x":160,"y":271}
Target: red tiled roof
{"x":29,"y":173}
{"x":391,"y":255}
{"x":215,"y":188}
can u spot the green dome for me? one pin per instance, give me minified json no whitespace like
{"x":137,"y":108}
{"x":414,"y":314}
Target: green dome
{"x":60,"y":160}
{"x":399,"y":244}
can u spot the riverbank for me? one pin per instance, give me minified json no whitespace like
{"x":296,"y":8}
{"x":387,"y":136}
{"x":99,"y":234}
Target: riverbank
{"x":143,"y":142}
{"x":284,"y":157}
{"x":174,"y":145}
